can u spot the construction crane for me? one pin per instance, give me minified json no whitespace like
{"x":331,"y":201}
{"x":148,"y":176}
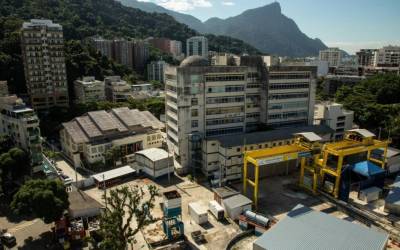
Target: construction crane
{"x":316,"y":160}
{"x":304,"y":146}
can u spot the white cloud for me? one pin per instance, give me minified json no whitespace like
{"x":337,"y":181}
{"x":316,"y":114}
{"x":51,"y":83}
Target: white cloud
{"x":183,"y":5}
{"x":228,"y":3}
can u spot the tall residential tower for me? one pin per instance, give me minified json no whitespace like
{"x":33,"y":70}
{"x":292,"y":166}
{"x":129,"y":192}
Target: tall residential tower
{"x":43,"y":55}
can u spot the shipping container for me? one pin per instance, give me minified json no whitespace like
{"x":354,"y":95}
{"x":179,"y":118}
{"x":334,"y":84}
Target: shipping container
{"x":216,"y":209}
{"x":198,"y":213}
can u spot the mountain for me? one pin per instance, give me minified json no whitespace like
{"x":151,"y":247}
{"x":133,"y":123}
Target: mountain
{"x":267,"y":29}
{"x":279,"y":34}
{"x":108,"y":18}
{"x":150,"y":7}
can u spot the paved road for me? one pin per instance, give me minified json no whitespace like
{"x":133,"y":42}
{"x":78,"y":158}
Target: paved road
{"x":68,"y":170}
{"x":34,"y":234}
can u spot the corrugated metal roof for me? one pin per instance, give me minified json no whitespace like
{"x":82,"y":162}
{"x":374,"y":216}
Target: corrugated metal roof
{"x":307,"y":229}
{"x":114,"y":173}
{"x":311,"y":136}
{"x":271,"y":135}
{"x":365,"y":133}
{"x":154,"y":154}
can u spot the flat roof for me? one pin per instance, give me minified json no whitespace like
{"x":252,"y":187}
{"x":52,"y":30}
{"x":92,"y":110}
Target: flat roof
{"x":311,"y":136}
{"x":365,"y":133}
{"x":154,"y":154}
{"x":225,"y":192}
{"x":270,"y":135}
{"x":238,"y":200}
{"x":114,"y":173}
{"x":305,"y":228}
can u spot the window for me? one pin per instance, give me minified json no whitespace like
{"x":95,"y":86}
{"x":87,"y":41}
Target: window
{"x":288,"y":96}
{"x":224,"y":78}
{"x":195,"y":112}
{"x":238,"y":150}
{"x":194,"y":102}
{"x":195,"y":123}
{"x":220,"y":121}
{"x":224,"y":99}
{"x":224,"y":110}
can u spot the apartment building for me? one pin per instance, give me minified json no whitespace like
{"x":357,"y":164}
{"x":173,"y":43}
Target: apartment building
{"x":365,"y":57}
{"x":124,"y":52}
{"x":44,"y":64}
{"x":22,"y":125}
{"x":160,"y":43}
{"x":155,"y":71}
{"x":87,"y":138}
{"x":225,"y":59}
{"x":204,"y":101}
{"x":388,"y":56}
{"x":334,"y":116}
{"x":88,"y":89}
{"x":140,"y":55}
{"x":116,"y":89}
{"x":104,"y":46}
{"x":197,"y":46}
{"x":291,"y":95}
{"x":176,"y":49}
{"x":332,"y":55}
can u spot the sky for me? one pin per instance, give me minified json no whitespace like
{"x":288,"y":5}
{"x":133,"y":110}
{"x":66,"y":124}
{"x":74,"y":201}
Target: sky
{"x":348,"y":24}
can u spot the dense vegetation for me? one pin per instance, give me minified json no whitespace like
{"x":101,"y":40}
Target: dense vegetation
{"x":45,"y":199}
{"x":376,"y":104}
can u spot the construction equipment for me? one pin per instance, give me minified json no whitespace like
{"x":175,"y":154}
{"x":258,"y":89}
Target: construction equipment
{"x":317,"y":162}
{"x":305,"y":145}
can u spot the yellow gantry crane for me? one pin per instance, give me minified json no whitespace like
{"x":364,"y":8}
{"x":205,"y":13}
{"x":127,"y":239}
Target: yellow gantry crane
{"x":304,"y":146}
{"x":316,"y":160}
{"x":356,"y":141}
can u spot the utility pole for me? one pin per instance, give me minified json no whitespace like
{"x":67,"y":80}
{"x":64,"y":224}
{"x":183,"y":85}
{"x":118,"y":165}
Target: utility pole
{"x":105,"y":191}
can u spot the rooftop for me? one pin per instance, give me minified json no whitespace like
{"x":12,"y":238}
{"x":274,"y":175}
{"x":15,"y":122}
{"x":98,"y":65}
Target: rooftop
{"x":270,"y":135}
{"x":304,"y":228}
{"x":41,"y":22}
{"x":194,"y":61}
{"x":237,"y":201}
{"x":81,"y":204}
{"x":154,"y":154}
{"x":114,"y":173}
{"x":106,"y":123}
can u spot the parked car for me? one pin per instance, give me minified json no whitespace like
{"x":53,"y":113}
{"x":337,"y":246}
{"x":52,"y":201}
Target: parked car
{"x":8,"y":239}
{"x":66,"y":179}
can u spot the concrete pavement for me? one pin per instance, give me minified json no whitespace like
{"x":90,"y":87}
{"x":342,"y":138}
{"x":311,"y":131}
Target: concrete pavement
{"x":69,"y":170}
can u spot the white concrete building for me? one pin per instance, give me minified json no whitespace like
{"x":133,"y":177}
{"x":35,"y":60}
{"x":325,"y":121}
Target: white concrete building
{"x":197,"y":46}
{"x":388,"y":56}
{"x":88,"y":137}
{"x":155,"y":162}
{"x":291,"y":95}
{"x":116,"y":89}
{"x":271,"y":60}
{"x":42,"y":45}
{"x":205,"y":101}
{"x":332,"y":55}
{"x":334,"y":116}
{"x":155,"y":71}
{"x":88,"y":89}
{"x":22,"y":125}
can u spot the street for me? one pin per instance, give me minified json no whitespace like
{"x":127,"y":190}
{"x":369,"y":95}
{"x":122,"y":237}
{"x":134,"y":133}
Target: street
{"x":68,"y":170}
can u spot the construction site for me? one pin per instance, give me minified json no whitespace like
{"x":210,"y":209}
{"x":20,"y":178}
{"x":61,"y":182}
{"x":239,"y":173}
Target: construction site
{"x":340,"y":186}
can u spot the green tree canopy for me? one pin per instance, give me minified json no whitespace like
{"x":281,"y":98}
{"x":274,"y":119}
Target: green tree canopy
{"x":125,"y":205}
{"x":45,"y":199}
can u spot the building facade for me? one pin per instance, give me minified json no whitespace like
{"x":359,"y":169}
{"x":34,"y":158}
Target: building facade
{"x":116,"y":89}
{"x":205,"y":101}
{"x":388,"y":56}
{"x":44,"y":64}
{"x":160,"y":43}
{"x":334,"y":116}
{"x":86,"y":139}
{"x":197,"y":46}
{"x":88,"y":89}
{"x":155,"y":71}
{"x":3,"y":88}
{"x":22,"y":125}
{"x":176,"y":49}
{"x":365,"y":57}
{"x":291,"y":95}
{"x":332,"y":55}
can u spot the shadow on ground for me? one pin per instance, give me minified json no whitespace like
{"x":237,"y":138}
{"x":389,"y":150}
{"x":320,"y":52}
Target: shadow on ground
{"x":45,"y":241}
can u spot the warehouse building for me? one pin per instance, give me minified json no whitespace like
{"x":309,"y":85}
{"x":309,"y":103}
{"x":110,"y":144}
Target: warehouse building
{"x":306,"y":229}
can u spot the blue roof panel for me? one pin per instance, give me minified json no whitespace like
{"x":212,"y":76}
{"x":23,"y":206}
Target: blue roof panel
{"x":367,"y":169}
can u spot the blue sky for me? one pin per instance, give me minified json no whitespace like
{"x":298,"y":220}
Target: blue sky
{"x":348,"y":24}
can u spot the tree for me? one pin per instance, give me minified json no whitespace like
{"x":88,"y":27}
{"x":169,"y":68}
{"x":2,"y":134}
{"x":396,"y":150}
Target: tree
{"x":45,"y":199}
{"x":112,"y":155}
{"x":123,"y":205}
